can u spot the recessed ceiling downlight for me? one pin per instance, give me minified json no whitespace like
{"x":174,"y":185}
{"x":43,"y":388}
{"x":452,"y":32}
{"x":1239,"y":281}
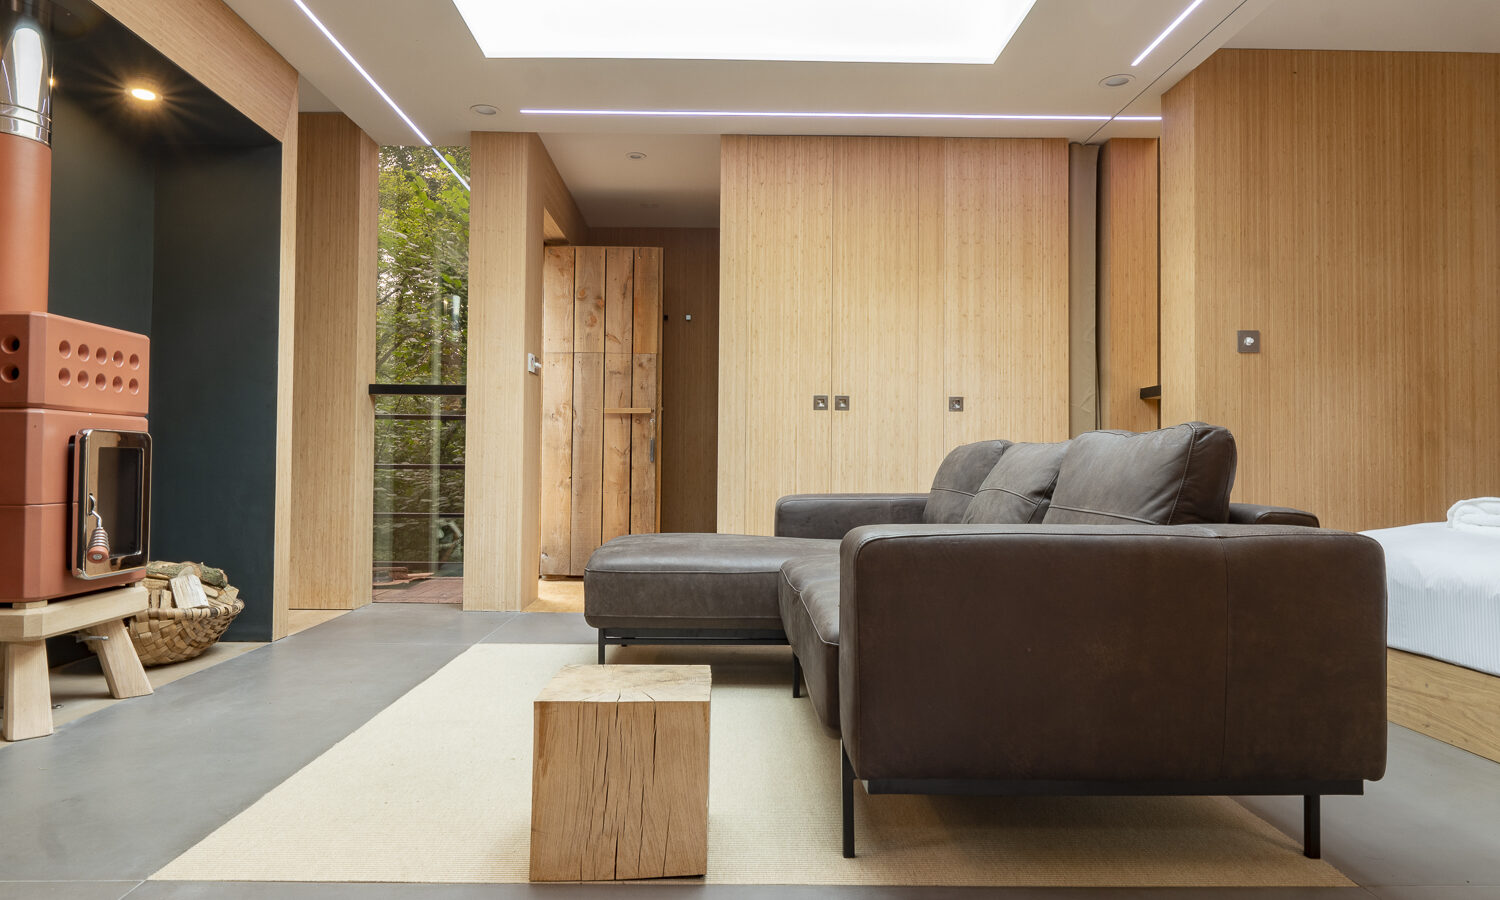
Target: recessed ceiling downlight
{"x":1116,"y":80}
{"x":484,"y":109}
{"x":635,"y":154}
{"x":145,"y":94}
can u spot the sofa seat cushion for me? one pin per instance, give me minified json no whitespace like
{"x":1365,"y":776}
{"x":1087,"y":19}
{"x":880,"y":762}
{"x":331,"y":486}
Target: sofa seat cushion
{"x":962,"y":471}
{"x":1018,"y":489}
{"x":690,"y":580}
{"x":1176,"y":476}
{"x":810,"y":614}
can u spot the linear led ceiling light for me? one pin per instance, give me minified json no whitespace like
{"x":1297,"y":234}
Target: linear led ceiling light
{"x":890,"y":31}
{"x":379,"y":90}
{"x":759,"y":114}
{"x":1170,"y":28}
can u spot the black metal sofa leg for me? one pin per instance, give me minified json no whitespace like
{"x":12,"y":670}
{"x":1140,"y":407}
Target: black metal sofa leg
{"x":848,"y":786}
{"x":601,"y":646}
{"x":1312,"y":827}
{"x":796,"y":676}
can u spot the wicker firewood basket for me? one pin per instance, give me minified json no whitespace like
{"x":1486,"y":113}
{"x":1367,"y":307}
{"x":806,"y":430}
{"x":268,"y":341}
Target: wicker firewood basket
{"x":166,"y":634}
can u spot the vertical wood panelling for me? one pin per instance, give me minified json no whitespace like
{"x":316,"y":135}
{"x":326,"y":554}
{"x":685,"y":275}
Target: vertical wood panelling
{"x":1128,"y":273}
{"x":687,"y":293}
{"x":337,"y":215}
{"x":876,"y":336}
{"x":931,"y":375}
{"x":734,"y":345}
{"x":1006,"y":289}
{"x":589,"y":341}
{"x":971,"y":286}
{"x":619,"y":324}
{"x":1346,"y":205}
{"x":619,"y":299}
{"x":645,"y":452}
{"x":615,"y":481}
{"x":787,"y":321}
{"x":910,"y":269}
{"x":588,"y":301}
{"x":556,"y":504}
{"x":286,"y":332}
{"x":514,"y":185}
{"x":647,"y":302}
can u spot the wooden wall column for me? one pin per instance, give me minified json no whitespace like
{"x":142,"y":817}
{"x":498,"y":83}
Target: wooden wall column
{"x":333,"y":418}
{"x":515,"y":189}
{"x":1128,"y":276}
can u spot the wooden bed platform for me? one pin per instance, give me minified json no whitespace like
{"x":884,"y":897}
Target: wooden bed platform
{"x":1455,"y":705}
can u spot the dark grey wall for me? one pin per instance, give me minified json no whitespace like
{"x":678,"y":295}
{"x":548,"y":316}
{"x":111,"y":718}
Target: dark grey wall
{"x":103,"y":190}
{"x":213,"y":368}
{"x":184,"y":245}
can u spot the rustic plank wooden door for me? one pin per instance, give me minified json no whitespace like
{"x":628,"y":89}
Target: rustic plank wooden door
{"x":601,"y":400}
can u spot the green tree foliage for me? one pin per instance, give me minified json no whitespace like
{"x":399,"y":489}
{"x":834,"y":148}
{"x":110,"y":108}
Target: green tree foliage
{"x":422,"y":297}
{"x":422,"y":301}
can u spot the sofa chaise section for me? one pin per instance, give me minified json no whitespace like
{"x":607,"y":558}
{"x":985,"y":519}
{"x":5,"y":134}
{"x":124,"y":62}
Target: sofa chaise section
{"x":690,"y":588}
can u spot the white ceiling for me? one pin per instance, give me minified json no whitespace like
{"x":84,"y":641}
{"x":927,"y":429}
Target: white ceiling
{"x":423,"y":55}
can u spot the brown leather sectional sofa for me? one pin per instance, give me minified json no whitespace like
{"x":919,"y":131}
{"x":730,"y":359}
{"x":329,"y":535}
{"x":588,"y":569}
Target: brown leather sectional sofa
{"x":1086,"y":617}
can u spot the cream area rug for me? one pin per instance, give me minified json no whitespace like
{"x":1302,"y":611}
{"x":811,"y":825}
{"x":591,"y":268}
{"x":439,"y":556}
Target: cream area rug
{"x":437,"y":788}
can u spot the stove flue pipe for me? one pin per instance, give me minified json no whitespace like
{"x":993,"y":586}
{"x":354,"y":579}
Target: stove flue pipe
{"x":25,"y":155}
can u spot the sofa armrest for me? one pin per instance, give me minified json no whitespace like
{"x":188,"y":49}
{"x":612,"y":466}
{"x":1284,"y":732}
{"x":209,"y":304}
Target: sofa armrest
{"x":1209,"y":654}
{"x":1256,"y":514}
{"x":833,"y":515}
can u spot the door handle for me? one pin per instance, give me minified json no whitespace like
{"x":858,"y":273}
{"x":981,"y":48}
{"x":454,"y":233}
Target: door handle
{"x":841,"y":402}
{"x":651,"y":451}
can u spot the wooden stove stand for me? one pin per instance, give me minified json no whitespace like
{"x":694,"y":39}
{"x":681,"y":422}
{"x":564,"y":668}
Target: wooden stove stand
{"x":24,"y":629}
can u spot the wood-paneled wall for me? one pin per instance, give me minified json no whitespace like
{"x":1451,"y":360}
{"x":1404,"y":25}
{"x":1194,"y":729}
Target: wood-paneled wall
{"x":898,"y":271}
{"x":515,"y":187}
{"x":1347,"y":204}
{"x":689,"y":368}
{"x":337,"y":222}
{"x":216,"y":47}
{"x":1128,"y":274}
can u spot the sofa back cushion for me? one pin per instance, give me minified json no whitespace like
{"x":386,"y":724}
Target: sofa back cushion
{"x":1176,"y":476}
{"x":1018,"y":489}
{"x":958,"y":478}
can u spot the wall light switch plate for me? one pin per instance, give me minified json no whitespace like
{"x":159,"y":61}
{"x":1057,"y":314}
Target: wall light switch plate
{"x":1247,"y":341}
{"x":955,"y":404}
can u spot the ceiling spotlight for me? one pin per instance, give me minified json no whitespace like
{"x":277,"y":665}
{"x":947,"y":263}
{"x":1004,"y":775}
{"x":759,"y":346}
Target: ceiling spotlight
{"x":635,"y":154}
{"x":145,"y":93}
{"x":1116,"y":80}
{"x":484,"y":109}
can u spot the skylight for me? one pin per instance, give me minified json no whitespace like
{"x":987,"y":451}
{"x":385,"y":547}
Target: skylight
{"x":886,"y":31}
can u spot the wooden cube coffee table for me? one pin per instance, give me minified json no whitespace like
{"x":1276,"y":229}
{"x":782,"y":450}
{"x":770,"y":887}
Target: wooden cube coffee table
{"x":619,"y":779}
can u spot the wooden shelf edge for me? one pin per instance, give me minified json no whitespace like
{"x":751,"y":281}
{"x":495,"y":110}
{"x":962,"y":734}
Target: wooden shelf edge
{"x":627,"y":410}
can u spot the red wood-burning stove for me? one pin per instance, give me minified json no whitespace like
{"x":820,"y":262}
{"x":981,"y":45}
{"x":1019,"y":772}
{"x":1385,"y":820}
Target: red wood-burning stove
{"x":75,"y":458}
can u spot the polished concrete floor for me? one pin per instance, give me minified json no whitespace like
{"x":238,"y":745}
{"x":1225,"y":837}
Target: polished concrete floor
{"x":90,"y":812}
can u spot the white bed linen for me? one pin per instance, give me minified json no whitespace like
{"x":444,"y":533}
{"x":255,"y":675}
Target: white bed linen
{"x":1444,"y":590}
